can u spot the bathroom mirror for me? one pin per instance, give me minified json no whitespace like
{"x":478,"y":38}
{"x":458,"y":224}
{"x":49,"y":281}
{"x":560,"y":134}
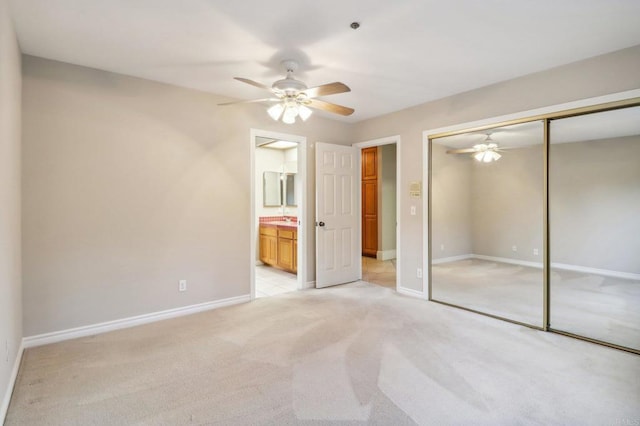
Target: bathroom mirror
{"x":272,"y":193}
{"x":290,"y":189}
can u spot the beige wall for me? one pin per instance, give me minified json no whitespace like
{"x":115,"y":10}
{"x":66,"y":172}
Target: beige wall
{"x":387,"y":198}
{"x":10,"y":266}
{"x":594,"y":199}
{"x":131,"y":185}
{"x":610,"y":73}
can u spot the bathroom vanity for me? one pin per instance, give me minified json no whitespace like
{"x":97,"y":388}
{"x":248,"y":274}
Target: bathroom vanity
{"x":279,"y":244}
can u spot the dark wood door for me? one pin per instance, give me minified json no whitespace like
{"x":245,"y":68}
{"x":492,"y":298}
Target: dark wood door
{"x":370,"y":201}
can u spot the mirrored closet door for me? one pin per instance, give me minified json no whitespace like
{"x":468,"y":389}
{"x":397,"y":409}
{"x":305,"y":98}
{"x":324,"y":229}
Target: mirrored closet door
{"x":487,"y":218}
{"x":594,"y":223}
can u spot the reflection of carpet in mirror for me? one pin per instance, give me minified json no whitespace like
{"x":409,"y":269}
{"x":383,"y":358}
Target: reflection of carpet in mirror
{"x":380,"y":272}
{"x":603,"y":308}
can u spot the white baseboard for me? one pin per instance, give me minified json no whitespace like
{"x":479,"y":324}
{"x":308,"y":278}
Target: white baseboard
{"x":12,"y":382}
{"x":386,"y":254}
{"x":554,"y":265}
{"x":451,"y":259}
{"x":595,"y":271}
{"x":308,"y":285}
{"x":104,"y":327}
{"x":508,"y":260}
{"x":411,"y":292}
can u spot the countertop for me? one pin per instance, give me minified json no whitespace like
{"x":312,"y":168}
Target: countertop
{"x":281,"y":223}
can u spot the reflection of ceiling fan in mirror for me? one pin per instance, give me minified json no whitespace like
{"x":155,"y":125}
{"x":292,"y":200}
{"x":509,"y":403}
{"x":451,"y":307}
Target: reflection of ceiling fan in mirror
{"x":293,"y":98}
{"x":486,"y":152}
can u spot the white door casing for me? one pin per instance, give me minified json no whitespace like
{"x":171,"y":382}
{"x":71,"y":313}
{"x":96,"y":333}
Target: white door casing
{"x":337,"y":215}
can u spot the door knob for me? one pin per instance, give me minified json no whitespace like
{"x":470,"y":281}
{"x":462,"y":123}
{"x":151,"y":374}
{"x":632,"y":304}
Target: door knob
{"x":320,"y":223}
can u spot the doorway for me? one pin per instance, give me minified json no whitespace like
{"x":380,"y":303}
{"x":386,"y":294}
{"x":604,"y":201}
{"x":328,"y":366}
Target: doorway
{"x":379,"y":176}
{"x":278,"y":178}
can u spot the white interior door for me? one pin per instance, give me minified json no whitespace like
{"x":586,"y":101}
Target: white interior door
{"x":337,"y":215}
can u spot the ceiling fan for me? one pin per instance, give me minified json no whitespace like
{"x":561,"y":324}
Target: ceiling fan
{"x":292,"y":98}
{"x":486,"y":152}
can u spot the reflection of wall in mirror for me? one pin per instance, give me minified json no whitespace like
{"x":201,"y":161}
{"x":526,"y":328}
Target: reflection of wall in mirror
{"x":451,"y":205}
{"x":507,"y":205}
{"x":486,"y":209}
{"x":266,"y":160}
{"x":271,"y":189}
{"x":595,"y":204}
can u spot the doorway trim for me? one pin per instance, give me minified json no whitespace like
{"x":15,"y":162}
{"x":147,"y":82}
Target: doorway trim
{"x":368,"y":144}
{"x":301,"y":195}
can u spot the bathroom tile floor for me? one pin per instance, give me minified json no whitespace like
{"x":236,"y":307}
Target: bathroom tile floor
{"x":272,"y":281}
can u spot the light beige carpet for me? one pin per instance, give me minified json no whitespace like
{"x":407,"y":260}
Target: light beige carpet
{"x":354,"y":354}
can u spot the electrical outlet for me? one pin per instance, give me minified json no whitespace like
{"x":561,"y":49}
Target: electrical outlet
{"x":535,"y":252}
{"x":413,"y":210}
{"x":514,"y":248}
{"x":441,"y":247}
{"x":419,"y":273}
{"x":182,"y":285}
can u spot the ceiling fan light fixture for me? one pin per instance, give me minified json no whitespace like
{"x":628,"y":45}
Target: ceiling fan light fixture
{"x":304,"y":112}
{"x":487,"y":156}
{"x":294,"y":99}
{"x":290,"y":114}
{"x":275,"y":111}
{"x":486,"y":152}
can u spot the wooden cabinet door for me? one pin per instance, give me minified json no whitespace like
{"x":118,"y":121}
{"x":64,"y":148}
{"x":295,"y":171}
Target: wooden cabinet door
{"x":285,"y":253}
{"x":273,"y":250}
{"x":268,"y":242}
{"x":268,"y":249}
{"x":295,"y":255}
{"x":370,"y":201}
{"x":264,"y":248}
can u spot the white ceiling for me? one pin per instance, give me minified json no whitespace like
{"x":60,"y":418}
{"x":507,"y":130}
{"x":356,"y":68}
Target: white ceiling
{"x":405,"y":53}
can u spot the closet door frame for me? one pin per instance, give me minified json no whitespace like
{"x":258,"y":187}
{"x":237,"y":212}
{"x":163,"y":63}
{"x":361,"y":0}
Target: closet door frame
{"x":625,"y":100}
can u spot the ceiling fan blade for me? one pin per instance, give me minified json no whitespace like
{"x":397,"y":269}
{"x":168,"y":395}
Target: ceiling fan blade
{"x":250,"y":101}
{"x":254,"y":83}
{"x":461,"y":151}
{"x":326,"y":89}
{"x":327,"y":106}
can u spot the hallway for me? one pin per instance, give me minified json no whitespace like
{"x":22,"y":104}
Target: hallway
{"x":379,"y":272}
